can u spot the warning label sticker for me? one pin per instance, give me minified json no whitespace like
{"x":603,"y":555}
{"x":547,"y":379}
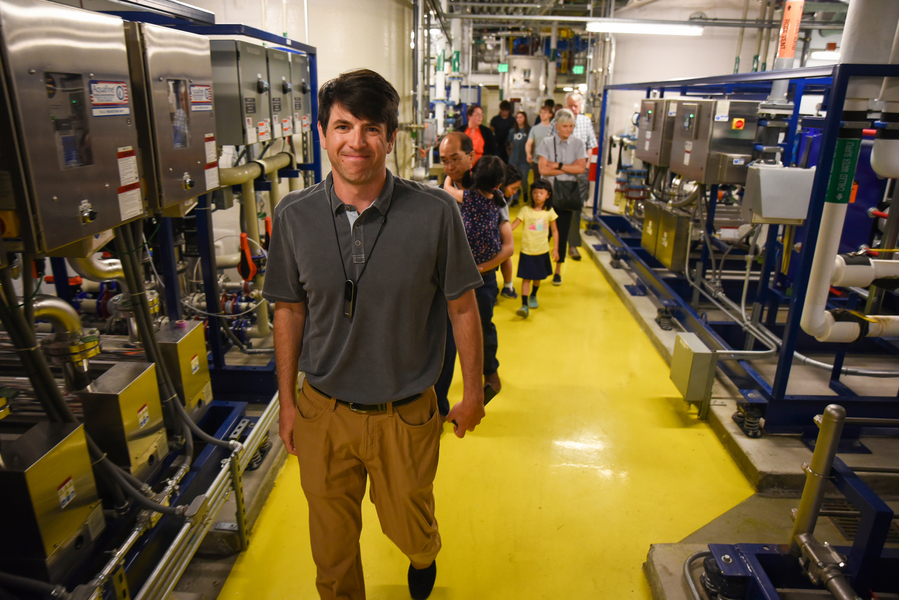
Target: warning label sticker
{"x":195,"y":364}
{"x":109,"y":98}
{"x":130,"y":201}
{"x":127,"y":158}
{"x":143,"y":416}
{"x":66,"y":492}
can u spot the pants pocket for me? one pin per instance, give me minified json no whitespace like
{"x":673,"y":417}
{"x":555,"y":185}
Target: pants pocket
{"x":311,"y":405}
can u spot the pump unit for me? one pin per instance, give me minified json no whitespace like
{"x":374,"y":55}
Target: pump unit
{"x":172,"y":76}
{"x":713,"y":140}
{"x":242,"y":99}
{"x":656,"y":128}
{"x":302,"y":97}
{"x":68,"y":166}
{"x":281,"y":92}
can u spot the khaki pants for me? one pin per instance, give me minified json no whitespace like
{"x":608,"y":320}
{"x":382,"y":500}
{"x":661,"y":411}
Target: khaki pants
{"x":338,"y":449}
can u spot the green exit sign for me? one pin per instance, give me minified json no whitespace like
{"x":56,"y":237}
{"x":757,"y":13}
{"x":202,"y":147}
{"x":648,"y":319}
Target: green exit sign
{"x":503,"y":67}
{"x":578,"y":69}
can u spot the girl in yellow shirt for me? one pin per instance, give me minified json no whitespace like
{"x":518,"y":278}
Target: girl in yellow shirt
{"x":534,"y":261}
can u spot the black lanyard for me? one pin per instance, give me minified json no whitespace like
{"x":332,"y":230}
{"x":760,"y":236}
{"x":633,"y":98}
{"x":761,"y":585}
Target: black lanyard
{"x":350,"y":286}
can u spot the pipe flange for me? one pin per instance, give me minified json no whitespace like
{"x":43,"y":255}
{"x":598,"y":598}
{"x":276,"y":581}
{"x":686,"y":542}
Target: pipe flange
{"x":123,"y":307}
{"x":79,"y":347}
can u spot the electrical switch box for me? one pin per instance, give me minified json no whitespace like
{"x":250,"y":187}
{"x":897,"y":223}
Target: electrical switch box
{"x":673,"y":239}
{"x":183,"y":347}
{"x":302,"y":94}
{"x":123,"y":414}
{"x":655,"y":130}
{"x":281,"y":93}
{"x":242,"y":100}
{"x":777,"y":194}
{"x":51,"y":511}
{"x":68,"y":163}
{"x":693,"y":370}
{"x":713,"y":140}
{"x":652,"y":215}
{"x":172,"y":75}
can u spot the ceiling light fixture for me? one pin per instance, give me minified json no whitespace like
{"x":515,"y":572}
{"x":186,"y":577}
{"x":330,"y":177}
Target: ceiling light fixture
{"x":646,"y":28}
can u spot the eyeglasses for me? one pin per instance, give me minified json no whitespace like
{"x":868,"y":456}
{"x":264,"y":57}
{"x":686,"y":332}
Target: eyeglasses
{"x":454,"y":161}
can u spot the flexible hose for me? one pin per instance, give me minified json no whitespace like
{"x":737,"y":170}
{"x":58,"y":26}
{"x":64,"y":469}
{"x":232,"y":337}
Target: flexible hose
{"x":689,"y":578}
{"x":33,"y":585}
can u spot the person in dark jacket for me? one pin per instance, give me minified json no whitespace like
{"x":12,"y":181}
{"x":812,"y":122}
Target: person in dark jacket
{"x":481,"y":137}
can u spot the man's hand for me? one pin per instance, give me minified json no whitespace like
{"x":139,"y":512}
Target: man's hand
{"x":286,"y":417}
{"x":466,"y":415}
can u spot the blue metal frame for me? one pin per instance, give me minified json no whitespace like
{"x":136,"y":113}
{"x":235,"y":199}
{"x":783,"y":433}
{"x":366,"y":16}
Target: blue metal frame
{"x":870,"y":567}
{"x":169,"y":269}
{"x":783,"y":413}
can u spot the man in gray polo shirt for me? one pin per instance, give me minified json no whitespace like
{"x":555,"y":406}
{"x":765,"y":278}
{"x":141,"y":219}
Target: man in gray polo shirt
{"x":363,"y":268}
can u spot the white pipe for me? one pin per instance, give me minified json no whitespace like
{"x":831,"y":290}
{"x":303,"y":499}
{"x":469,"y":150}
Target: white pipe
{"x":814,"y":321}
{"x":863,"y":275}
{"x":867,"y":39}
{"x":885,"y":154}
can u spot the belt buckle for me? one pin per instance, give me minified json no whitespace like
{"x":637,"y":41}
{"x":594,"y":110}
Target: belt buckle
{"x":366,"y":408}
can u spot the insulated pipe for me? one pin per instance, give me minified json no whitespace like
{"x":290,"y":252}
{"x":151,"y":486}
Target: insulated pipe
{"x":97,"y":268}
{"x":789,"y":34}
{"x":261,"y":329}
{"x":817,"y":474}
{"x":59,"y":313}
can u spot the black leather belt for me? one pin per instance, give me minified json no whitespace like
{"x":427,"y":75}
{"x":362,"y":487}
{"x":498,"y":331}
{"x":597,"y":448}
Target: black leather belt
{"x":369,"y":408}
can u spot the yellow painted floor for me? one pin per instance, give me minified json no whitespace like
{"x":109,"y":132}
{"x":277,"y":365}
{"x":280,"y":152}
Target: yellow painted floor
{"x":586,"y":457}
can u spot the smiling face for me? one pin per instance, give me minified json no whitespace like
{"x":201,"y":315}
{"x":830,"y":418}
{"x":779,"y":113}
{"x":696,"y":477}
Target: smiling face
{"x":356,"y":148}
{"x":521,"y":119}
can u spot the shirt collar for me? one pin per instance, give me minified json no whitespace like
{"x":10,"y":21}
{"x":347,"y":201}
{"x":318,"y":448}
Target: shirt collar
{"x":381,"y":203}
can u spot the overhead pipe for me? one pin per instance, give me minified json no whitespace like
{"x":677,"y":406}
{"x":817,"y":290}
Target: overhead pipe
{"x":766,"y":44}
{"x":759,"y":34}
{"x":740,"y":38}
{"x":868,"y":24}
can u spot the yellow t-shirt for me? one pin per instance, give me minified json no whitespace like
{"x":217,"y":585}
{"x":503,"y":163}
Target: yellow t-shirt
{"x":535,"y":232}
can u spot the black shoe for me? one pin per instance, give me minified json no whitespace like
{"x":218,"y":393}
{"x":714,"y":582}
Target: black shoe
{"x":421,"y":581}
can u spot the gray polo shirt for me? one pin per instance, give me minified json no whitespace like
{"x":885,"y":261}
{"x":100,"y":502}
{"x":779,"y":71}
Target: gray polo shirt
{"x":553,"y":149}
{"x":412,"y":246}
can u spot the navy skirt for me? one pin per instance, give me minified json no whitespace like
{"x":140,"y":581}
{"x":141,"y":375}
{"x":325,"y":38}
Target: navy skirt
{"x":534,"y":268}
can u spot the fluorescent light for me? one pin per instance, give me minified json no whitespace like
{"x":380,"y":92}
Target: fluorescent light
{"x":582,"y":88}
{"x":825,"y":55}
{"x":568,"y":89}
{"x":636,"y":26}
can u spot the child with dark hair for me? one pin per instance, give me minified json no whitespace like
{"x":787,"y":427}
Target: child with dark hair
{"x":490,"y":237}
{"x":534,"y":260}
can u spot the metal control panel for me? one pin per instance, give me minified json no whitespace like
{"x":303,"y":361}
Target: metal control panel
{"x":242,"y":100}
{"x":302,"y":93}
{"x":713,"y":140}
{"x":122,"y":413}
{"x":281,"y":92}
{"x":172,"y":76}
{"x":51,"y":512}
{"x":655,"y":130}
{"x":68,"y":168}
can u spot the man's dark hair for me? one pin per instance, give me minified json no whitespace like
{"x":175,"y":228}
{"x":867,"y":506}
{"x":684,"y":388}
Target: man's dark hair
{"x":470,"y":110}
{"x":488,"y":175}
{"x":513,"y":175}
{"x":542,"y":184}
{"x":549,"y":103}
{"x":365,"y":94}
{"x":465,"y":143}
{"x":505,"y":105}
